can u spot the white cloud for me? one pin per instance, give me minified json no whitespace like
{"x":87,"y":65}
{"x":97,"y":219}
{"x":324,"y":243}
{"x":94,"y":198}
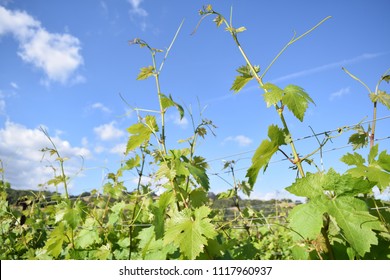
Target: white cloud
{"x":118,"y":149}
{"x":58,"y":55}
{"x":20,"y":151}
{"x":108,"y":131}
{"x":175,"y":118}
{"x":339,"y":93}
{"x":101,"y":107}
{"x":136,"y":9}
{"x":241,"y":140}
{"x":137,"y":14}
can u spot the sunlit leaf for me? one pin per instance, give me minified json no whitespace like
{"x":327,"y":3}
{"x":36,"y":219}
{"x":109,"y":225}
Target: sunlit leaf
{"x":167,"y":102}
{"x":296,"y":100}
{"x":265,"y":151}
{"x":145,"y":73}
{"x":273,"y":94}
{"x":355,"y":222}
{"x":190,"y":230}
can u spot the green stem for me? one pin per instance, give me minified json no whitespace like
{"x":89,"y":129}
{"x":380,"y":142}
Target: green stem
{"x":162,"y":110}
{"x":372,"y":136}
{"x":297,"y":160}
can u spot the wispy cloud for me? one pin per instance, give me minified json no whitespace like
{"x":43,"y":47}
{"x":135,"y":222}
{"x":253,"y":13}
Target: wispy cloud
{"x":99,"y":106}
{"x":338,"y":94}
{"x":58,"y":55}
{"x":328,"y":66}
{"x":241,"y":140}
{"x":136,"y":9}
{"x":138,"y":14}
{"x":14,"y":85}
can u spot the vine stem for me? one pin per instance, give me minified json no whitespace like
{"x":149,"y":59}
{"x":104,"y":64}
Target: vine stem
{"x":297,"y":160}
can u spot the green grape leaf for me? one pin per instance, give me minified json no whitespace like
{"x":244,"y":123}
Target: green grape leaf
{"x":273,"y":94}
{"x":198,"y":197}
{"x":358,"y":140}
{"x":373,"y":174}
{"x":386,"y":78}
{"x":140,"y":133}
{"x":353,"y":159}
{"x":245,"y":76}
{"x":167,"y":102}
{"x":74,"y":216}
{"x":159,"y":210}
{"x":103,"y":253}
{"x":88,"y":235}
{"x":200,"y":175}
{"x":55,"y":241}
{"x":145,"y":73}
{"x":346,"y":184}
{"x":265,"y":152}
{"x":377,"y":171}
{"x":372,"y":154}
{"x":384,"y":98}
{"x":189,"y":230}
{"x":152,"y":248}
{"x":309,"y":186}
{"x":296,"y":100}
{"x":245,"y":188}
{"x":355,"y":222}
{"x":384,"y":161}
{"x":306,"y":220}
{"x":240,"y":82}
{"x":132,"y":163}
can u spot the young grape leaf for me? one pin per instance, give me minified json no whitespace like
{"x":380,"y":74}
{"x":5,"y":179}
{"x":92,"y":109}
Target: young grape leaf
{"x":55,"y":241}
{"x":353,"y":159}
{"x":88,"y":235}
{"x":140,"y":133}
{"x":309,"y":186}
{"x":74,"y":216}
{"x":132,"y":162}
{"x":384,"y":161}
{"x":382,"y":97}
{"x":355,"y":222}
{"x":273,"y":94}
{"x":265,"y":151}
{"x":296,"y":100}
{"x":198,"y":197}
{"x":386,"y":78}
{"x":145,"y":73}
{"x":152,"y":248}
{"x":190,"y":230}
{"x":377,"y":171}
{"x":372,"y":154}
{"x":244,"y":77}
{"x":346,"y":184}
{"x":167,"y":102}
{"x":306,"y":220}
{"x":200,"y":175}
{"x":219,"y":20}
{"x":358,"y":140}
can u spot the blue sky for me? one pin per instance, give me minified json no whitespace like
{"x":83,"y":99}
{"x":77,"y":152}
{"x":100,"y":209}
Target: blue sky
{"x":64,"y":65}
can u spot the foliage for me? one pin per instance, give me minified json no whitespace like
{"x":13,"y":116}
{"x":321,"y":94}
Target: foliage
{"x":174,"y":216}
